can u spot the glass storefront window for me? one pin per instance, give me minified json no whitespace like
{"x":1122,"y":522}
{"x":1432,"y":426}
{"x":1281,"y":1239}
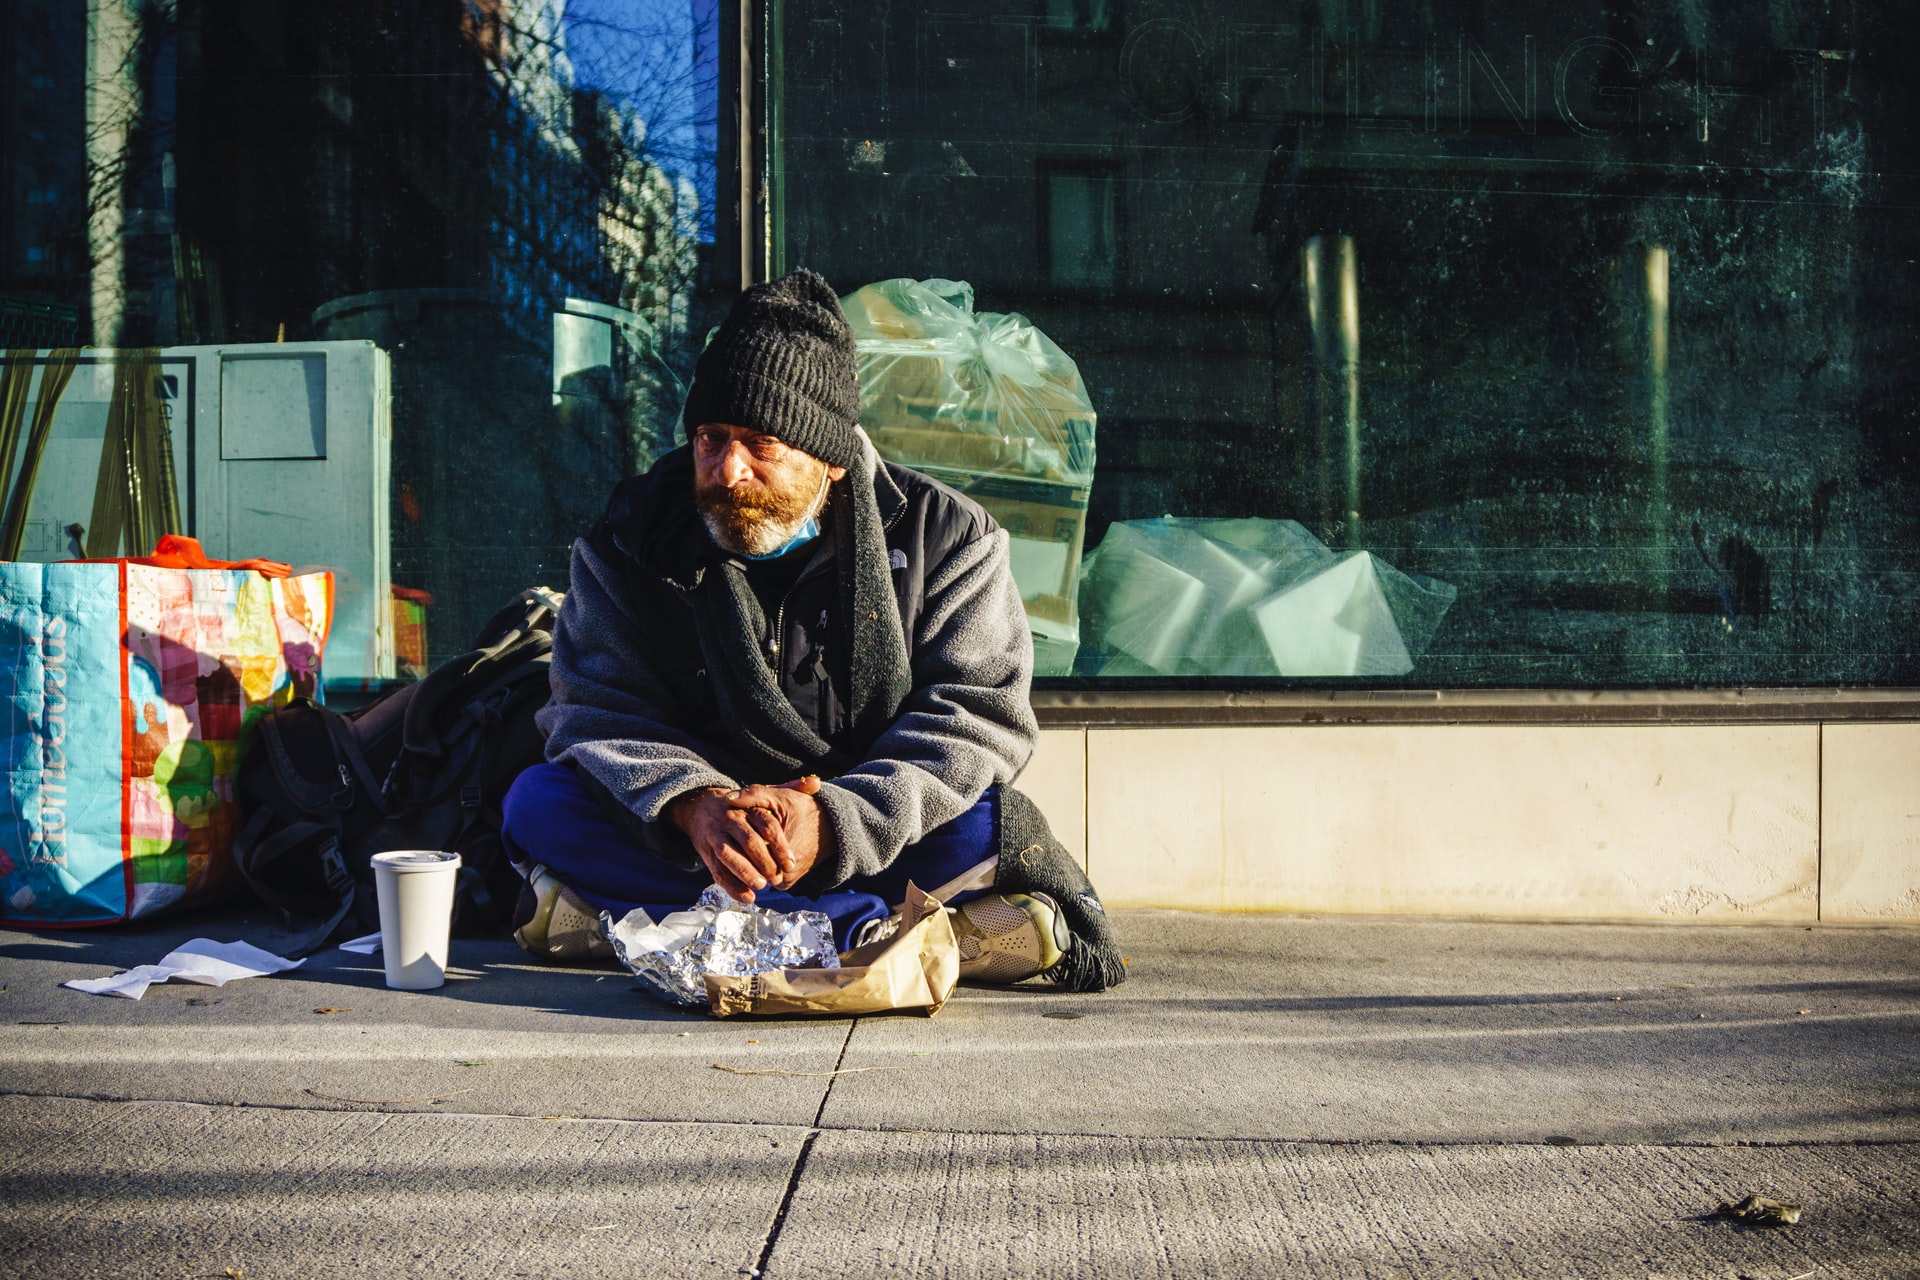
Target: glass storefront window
{"x":459,"y":254}
{"x":1453,"y":345}
{"x":1448,"y":345}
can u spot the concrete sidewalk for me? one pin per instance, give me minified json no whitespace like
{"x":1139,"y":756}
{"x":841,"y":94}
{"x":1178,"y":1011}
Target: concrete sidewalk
{"x":1267,"y":1096}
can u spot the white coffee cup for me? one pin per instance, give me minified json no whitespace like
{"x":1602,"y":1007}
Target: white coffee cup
{"x":415,"y":888}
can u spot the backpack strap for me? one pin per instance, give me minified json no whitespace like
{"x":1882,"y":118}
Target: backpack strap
{"x":467,"y":768}
{"x":334,"y":794}
{"x":350,"y":893}
{"x":499,"y":660}
{"x":351,"y":763}
{"x":310,"y":795}
{"x":254,"y":856}
{"x":458,"y":759}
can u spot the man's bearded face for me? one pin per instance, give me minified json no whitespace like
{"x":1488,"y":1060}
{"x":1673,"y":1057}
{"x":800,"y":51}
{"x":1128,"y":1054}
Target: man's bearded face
{"x":754,"y":491}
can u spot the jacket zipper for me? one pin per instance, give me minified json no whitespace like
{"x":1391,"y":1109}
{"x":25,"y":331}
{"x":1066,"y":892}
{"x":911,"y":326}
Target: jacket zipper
{"x":779,"y":626}
{"x":780,"y":614}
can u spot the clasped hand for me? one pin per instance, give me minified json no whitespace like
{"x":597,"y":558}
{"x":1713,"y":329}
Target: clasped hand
{"x":758,"y":837}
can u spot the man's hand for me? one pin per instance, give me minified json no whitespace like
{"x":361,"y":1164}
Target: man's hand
{"x":755,"y":837}
{"x":731,"y":840}
{"x":797,"y":833}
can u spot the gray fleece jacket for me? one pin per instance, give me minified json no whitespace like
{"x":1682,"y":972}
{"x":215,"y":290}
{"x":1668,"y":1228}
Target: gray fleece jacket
{"x":631,"y":707}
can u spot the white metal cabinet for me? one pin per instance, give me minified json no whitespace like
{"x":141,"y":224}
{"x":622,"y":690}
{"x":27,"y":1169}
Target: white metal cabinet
{"x":281,"y":451}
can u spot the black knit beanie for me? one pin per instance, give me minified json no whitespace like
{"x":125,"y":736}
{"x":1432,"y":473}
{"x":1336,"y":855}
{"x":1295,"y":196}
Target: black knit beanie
{"x":782,"y":363}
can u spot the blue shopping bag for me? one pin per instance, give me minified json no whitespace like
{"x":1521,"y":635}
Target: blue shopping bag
{"x":127,"y":691}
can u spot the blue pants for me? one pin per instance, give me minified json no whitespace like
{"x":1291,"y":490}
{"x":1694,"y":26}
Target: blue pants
{"x":557,"y":822}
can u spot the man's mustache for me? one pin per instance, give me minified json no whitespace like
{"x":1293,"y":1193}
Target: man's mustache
{"x":742,"y":513}
{"x":747,"y":502}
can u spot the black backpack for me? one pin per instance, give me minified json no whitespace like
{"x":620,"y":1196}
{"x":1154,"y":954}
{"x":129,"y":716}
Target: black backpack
{"x":425,"y":767}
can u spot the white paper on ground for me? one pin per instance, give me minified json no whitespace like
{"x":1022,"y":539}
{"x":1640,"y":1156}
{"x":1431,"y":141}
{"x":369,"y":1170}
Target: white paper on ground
{"x":367,"y":946}
{"x":210,"y":963}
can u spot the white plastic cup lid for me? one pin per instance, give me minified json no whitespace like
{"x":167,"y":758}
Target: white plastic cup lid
{"x":417,"y":860}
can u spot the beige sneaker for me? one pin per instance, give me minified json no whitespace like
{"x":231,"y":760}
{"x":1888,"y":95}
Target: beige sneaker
{"x":562,"y":926}
{"x":1008,"y":937}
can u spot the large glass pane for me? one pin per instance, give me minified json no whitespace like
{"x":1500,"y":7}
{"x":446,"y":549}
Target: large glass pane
{"x":512,"y":201}
{"x":1592,"y":326}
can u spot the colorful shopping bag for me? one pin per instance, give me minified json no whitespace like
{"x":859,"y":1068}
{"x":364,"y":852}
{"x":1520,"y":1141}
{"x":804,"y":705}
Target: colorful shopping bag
{"x":128,"y":691}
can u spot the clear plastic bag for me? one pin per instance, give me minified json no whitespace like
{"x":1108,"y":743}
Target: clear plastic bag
{"x":985,"y":394}
{"x":1249,"y":597}
{"x":990,"y":405}
{"x":1358,"y":616}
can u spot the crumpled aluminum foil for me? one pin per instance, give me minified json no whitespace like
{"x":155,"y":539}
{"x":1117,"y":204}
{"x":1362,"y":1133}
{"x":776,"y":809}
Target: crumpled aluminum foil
{"x":719,"y":935}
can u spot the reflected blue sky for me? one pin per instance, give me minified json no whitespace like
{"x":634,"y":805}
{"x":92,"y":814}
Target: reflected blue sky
{"x":660,"y":59}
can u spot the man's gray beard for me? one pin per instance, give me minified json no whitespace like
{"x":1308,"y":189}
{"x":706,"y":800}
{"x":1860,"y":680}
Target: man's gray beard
{"x":763,"y":536}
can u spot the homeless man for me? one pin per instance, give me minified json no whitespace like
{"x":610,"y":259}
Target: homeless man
{"x":793,"y":670}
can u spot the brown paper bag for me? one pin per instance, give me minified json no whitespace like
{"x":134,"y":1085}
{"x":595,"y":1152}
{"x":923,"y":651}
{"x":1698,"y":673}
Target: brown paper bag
{"x":917,"y":968}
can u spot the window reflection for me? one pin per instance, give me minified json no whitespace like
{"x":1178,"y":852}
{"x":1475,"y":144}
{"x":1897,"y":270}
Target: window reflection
{"x":478,"y":188}
{"x":1083,"y":234}
{"x":1636,"y":285}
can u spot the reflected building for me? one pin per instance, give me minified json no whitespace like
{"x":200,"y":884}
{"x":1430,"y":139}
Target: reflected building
{"x":43,"y":192}
{"x":425,"y":174}
{"x":88,"y":223}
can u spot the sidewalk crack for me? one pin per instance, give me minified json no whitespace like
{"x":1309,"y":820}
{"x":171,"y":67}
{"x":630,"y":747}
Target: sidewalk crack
{"x":800,"y":1161}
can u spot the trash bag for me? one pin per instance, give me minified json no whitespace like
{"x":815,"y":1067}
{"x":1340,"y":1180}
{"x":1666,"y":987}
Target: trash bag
{"x":1249,"y":597}
{"x":993,"y":407}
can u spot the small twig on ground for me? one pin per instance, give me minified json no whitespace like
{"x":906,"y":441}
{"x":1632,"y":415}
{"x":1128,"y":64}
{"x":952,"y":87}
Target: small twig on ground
{"x":774,"y":1071}
{"x":388,"y":1102}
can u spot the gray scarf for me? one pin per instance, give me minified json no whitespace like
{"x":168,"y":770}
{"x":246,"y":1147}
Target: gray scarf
{"x":765,"y":730}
